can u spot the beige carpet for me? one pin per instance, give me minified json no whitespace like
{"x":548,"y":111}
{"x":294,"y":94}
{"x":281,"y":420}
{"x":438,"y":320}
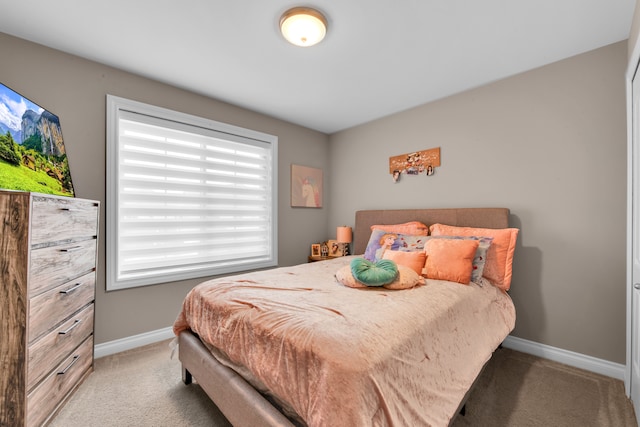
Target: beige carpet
{"x":517,"y":389}
{"x":143,"y":387}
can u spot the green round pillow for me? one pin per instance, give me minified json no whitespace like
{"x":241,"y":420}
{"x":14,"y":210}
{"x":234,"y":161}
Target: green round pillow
{"x":377,"y":273}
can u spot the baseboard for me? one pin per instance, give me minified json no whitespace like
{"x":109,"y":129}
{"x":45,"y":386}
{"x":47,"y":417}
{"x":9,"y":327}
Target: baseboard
{"x":123,"y":344}
{"x":577,"y":360}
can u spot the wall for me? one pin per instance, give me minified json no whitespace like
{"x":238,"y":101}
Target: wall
{"x":550,"y":144}
{"x":75,"y":89}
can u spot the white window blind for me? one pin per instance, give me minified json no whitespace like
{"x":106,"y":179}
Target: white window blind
{"x":187,"y":197}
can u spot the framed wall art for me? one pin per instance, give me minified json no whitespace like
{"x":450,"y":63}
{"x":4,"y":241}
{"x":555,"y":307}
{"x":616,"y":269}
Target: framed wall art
{"x":306,"y":187}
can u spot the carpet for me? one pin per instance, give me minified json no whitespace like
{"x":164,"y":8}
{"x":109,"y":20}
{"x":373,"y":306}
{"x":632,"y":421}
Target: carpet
{"x":143,"y":387}
{"x":140,"y":387}
{"x":521,"y":390}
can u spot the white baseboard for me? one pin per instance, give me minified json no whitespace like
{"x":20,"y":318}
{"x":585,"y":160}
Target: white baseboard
{"x":577,"y":360}
{"x":123,"y":344}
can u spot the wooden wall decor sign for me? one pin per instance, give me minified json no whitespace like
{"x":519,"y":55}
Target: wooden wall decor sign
{"x":415,"y":163}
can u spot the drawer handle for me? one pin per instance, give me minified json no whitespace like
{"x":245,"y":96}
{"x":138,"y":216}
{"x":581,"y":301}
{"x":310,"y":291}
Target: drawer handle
{"x":73,"y":362}
{"x":73,"y":209}
{"x":71,"y":249}
{"x":71,"y":289}
{"x":66,"y":331}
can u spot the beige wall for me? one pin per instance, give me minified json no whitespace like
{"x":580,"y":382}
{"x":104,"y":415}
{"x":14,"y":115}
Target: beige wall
{"x":549,"y":144}
{"x":75,"y":90}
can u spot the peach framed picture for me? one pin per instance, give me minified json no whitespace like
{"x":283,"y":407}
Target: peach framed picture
{"x":306,"y":187}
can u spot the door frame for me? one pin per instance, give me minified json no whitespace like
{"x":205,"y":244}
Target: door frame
{"x":632,"y":69}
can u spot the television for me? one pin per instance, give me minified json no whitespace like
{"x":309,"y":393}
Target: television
{"x":32,"y":153}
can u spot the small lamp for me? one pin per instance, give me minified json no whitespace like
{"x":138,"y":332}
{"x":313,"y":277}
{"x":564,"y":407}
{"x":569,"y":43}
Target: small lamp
{"x":344,"y":236}
{"x":303,"y":26}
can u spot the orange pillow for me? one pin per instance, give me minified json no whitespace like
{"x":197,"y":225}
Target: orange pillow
{"x":450,"y":260}
{"x":415,"y":228}
{"x":413,"y":260}
{"x":498,"y":266}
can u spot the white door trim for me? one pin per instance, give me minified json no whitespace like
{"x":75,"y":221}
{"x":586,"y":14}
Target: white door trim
{"x":634,"y":59}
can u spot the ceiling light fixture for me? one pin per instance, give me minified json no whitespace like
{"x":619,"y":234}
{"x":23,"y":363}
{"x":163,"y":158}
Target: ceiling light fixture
{"x":303,"y":26}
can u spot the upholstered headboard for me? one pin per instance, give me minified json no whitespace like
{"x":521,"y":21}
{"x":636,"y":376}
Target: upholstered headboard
{"x":462,"y":217}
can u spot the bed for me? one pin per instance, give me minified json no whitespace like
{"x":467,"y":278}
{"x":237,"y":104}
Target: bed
{"x":292,"y":346}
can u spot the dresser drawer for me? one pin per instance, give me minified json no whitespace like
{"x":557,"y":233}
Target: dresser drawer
{"x":53,"y":306}
{"x":54,"y":265}
{"x":53,"y":347}
{"x":48,"y":395}
{"x":62,"y":219}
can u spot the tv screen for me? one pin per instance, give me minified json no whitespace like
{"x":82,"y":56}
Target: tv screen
{"x":32,"y":154}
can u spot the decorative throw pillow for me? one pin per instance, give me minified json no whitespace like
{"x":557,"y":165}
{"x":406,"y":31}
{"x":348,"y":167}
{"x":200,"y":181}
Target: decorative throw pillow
{"x":413,"y":260}
{"x":498,"y":266}
{"x":344,"y":276}
{"x":380,"y":241}
{"x":377,"y":273}
{"x":407,"y":279}
{"x":481,"y":253}
{"x":415,"y":228}
{"x":450,"y":259}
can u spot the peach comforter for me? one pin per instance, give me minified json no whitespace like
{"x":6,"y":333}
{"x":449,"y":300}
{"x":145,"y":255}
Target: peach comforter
{"x":352,"y":357}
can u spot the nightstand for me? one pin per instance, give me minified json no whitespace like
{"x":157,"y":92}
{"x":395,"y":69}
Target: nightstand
{"x":320,"y":258}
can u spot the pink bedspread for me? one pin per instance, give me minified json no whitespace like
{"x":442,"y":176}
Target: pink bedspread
{"x":352,"y":357}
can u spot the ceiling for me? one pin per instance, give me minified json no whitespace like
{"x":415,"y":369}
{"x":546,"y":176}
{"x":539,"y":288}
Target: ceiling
{"x":379,"y":57}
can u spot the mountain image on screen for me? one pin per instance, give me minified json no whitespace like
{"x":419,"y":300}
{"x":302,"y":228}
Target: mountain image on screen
{"x":32,"y":153}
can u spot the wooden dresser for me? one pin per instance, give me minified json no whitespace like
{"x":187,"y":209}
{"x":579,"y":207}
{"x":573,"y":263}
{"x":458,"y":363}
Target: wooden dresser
{"x":48,"y":248}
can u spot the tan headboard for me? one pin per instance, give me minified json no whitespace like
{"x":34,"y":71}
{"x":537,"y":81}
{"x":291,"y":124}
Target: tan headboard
{"x":463,"y":217}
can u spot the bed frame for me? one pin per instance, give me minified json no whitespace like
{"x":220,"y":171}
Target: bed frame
{"x":243,"y":405}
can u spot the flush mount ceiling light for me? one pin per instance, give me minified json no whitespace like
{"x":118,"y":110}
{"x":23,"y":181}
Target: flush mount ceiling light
{"x":303,"y":26}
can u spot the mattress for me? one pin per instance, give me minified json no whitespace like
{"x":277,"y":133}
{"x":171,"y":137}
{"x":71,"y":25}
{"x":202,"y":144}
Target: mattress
{"x":343,"y":356}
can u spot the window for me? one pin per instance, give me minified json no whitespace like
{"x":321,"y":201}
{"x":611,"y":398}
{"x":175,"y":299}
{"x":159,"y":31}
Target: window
{"x":186,"y":196}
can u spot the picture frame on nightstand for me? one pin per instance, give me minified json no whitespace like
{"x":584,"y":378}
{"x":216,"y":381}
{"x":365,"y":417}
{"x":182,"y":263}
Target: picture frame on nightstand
{"x":315,"y":250}
{"x":335,"y":248}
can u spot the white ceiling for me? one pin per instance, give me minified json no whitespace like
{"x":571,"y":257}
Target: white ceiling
{"x":379,"y":57}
